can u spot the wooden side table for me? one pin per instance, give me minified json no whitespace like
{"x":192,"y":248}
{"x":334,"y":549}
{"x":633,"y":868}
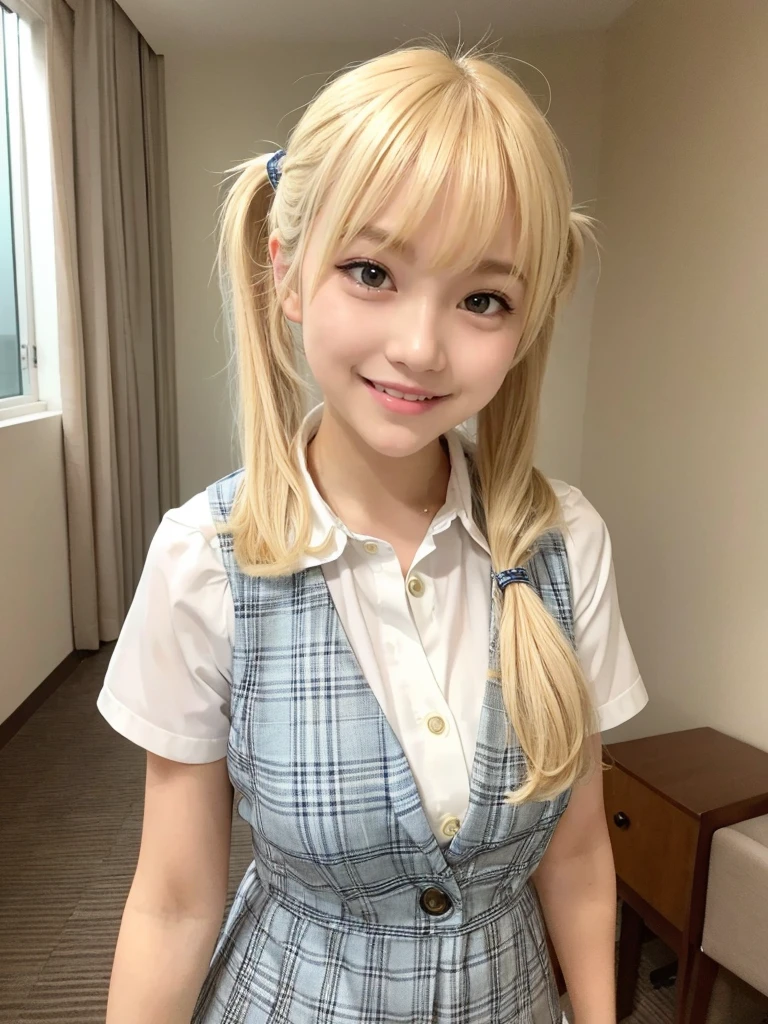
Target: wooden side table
{"x":664,"y":797}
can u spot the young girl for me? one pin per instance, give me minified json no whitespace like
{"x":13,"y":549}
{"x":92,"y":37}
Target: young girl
{"x":399,"y":647}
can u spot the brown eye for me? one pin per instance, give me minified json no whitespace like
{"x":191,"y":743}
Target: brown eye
{"x":480,"y":302}
{"x":371,"y":274}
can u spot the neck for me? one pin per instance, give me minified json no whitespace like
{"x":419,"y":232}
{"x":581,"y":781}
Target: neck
{"x":363,"y":486}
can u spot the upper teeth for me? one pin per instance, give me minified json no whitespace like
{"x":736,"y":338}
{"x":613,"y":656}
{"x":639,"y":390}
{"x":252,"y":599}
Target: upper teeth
{"x":399,"y":394}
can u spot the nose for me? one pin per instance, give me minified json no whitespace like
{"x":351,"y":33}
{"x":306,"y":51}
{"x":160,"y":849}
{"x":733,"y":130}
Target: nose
{"x":416,"y":340}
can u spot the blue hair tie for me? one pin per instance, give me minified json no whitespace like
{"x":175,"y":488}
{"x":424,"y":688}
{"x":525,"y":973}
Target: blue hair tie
{"x":508,"y":576}
{"x":274,"y":167}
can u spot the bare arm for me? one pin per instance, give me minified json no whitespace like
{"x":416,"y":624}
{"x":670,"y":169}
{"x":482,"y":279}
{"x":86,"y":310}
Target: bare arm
{"x":576,"y":884}
{"x":176,"y":903}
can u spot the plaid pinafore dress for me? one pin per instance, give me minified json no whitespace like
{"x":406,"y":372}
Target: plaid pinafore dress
{"x":351,"y":913}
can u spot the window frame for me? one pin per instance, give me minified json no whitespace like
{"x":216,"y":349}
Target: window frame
{"x":29,"y":400}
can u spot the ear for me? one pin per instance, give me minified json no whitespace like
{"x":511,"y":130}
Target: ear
{"x":291,"y":301}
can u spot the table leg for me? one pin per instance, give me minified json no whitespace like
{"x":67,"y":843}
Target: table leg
{"x":703,"y":974}
{"x":630,"y":944}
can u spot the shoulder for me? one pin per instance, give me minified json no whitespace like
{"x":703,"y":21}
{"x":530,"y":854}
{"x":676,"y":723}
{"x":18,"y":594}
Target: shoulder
{"x":580,"y":517}
{"x":191,"y":521}
{"x":586,"y":536}
{"x":184,"y":574}
{"x":587,"y":545}
{"x":184,"y":558}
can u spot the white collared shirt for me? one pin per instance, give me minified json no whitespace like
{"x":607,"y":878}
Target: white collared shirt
{"x":422,"y":641}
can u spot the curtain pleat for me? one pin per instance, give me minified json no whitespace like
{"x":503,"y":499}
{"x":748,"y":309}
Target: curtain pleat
{"x":114,"y":297}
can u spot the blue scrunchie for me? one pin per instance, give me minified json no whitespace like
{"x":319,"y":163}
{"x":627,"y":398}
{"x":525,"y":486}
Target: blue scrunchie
{"x":274,"y":167}
{"x":507,"y":576}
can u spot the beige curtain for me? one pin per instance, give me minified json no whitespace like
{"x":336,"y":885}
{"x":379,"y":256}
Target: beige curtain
{"x":115,"y":303}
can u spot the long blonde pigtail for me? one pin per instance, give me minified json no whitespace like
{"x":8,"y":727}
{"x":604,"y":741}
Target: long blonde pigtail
{"x":271,"y":391}
{"x":543,"y":686}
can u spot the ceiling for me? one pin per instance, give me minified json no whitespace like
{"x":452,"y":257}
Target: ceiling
{"x":181,"y":25}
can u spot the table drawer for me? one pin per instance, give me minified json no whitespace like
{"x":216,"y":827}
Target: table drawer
{"x":654,"y":844}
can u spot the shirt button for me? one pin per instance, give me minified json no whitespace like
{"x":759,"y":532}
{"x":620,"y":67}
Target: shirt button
{"x":415,"y":586}
{"x":450,"y":826}
{"x":370,"y":547}
{"x":436,"y":724}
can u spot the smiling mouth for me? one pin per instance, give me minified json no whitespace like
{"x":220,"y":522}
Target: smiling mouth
{"x":404,"y":395}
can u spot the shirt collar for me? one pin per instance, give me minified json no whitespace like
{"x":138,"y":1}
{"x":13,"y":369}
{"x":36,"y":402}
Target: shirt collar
{"x":325,"y":523}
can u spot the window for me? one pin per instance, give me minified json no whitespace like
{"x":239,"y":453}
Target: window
{"x":18,"y":378}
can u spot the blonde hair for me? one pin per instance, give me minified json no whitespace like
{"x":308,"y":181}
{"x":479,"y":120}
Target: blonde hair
{"x":422,"y":112}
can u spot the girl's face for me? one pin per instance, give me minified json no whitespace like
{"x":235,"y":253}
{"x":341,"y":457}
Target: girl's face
{"x":400,"y":351}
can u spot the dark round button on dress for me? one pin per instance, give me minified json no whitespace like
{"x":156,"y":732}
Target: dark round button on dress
{"x":435,"y":902}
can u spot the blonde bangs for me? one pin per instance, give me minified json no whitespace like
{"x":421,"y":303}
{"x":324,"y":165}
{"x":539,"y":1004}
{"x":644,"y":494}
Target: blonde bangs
{"x":441,"y":140}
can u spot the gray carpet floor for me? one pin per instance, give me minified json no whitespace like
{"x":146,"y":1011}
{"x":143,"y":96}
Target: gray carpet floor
{"x":70,"y":823}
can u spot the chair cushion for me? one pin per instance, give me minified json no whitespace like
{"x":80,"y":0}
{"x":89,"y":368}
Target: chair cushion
{"x":736,"y":920}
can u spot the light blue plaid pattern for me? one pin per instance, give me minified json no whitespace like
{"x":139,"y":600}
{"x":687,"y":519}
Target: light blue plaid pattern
{"x":327,"y":925}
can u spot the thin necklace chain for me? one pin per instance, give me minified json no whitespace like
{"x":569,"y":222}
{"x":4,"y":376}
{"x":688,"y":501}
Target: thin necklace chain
{"x":424,"y":511}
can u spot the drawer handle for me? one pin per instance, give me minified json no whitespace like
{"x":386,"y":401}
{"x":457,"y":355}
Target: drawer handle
{"x":621,"y":820}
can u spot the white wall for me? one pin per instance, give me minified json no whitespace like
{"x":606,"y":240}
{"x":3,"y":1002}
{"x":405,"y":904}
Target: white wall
{"x":224,"y":107}
{"x":35,"y":608}
{"x":677,"y":414}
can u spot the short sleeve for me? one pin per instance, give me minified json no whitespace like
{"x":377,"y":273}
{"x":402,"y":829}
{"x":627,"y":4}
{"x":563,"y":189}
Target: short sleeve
{"x":167,"y":685}
{"x":601,"y":639}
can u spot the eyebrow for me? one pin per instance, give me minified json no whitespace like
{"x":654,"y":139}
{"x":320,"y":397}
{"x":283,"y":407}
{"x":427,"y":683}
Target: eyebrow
{"x":487,"y":266}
